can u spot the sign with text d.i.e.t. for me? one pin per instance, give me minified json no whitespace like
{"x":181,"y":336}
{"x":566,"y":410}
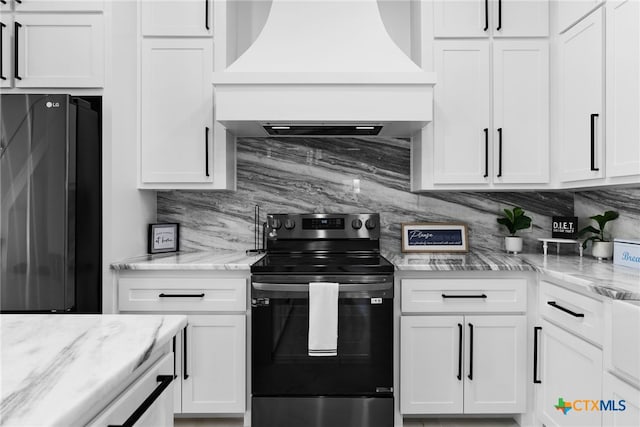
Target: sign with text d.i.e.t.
{"x":434,"y":237}
{"x":564,"y":227}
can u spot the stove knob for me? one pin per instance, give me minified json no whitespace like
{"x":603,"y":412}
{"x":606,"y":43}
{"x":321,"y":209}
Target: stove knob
{"x":276,"y":223}
{"x":370,"y":224}
{"x":289,"y":224}
{"x":356,"y":224}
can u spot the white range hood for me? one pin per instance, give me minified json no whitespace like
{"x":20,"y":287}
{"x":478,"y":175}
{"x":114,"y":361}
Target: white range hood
{"x":328,"y":63}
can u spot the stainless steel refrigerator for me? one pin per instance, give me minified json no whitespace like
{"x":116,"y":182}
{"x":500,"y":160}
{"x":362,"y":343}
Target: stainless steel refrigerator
{"x":50,"y":203}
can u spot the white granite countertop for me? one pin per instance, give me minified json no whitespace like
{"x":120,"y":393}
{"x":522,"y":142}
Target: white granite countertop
{"x":190,"y":261}
{"x":56,"y":367}
{"x":474,"y":260}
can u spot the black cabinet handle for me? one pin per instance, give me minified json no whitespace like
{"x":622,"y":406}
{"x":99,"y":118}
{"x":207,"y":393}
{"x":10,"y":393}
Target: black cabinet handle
{"x":206,"y":151}
{"x":486,"y":15}
{"x":566,"y":310}
{"x":3,"y":1}
{"x":499,"y":152}
{"x":499,"y":27}
{"x":163,"y":295}
{"x":464,"y":296}
{"x":174,"y":357}
{"x":16,"y":45}
{"x":19,"y":1}
{"x":184,"y":354}
{"x":593,"y":142}
{"x":535,"y":354}
{"x":459,"y":351}
{"x":206,"y":14}
{"x":486,"y":152}
{"x":2,"y":26}
{"x":470,"y":376}
{"x":164,"y":381}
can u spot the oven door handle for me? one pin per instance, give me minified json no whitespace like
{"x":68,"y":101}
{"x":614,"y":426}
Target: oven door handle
{"x":304,"y":287}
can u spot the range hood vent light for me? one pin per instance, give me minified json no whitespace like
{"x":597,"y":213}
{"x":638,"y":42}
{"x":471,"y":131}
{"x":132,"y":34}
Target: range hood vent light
{"x":322,"y":130}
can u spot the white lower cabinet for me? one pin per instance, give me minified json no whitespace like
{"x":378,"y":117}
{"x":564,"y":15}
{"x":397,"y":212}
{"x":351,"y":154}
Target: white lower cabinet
{"x":211,"y":351}
{"x":570,"y":369}
{"x":214,"y":364}
{"x":626,"y":403}
{"x":463,"y":364}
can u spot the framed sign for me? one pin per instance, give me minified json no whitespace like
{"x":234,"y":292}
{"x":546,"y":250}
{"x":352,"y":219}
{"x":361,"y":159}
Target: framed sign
{"x":564,"y":227}
{"x":163,"y":238}
{"x":434,"y":237}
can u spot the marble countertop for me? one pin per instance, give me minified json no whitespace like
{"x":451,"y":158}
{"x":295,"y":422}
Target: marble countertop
{"x":601,"y":277}
{"x":190,"y":261}
{"x":56,"y":367}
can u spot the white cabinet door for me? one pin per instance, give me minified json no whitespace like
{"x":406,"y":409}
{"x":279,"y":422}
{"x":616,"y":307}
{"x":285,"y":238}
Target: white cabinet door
{"x":461,"y":112}
{"x":623,"y":87}
{"x":177,"y":111}
{"x":58,"y":5}
{"x":621,"y":394}
{"x":495,"y":380}
{"x":571,"y":11}
{"x":56,"y":50}
{"x":6,"y":63}
{"x":170,"y":18}
{"x":570,"y":368}
{"x":521,"y":111}
{"x":431,"y":365}
{"x":520,"y":18}
{"x":214,"y":372}
{"x":461,"y":18}
{"x":581,"y":87}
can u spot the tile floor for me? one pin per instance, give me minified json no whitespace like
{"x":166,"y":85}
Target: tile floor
{"x":430,"y":422}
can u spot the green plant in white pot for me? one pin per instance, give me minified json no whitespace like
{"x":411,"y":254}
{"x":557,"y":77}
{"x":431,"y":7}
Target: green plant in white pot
{"x":514,"y":220}
{"x":602,"y":247}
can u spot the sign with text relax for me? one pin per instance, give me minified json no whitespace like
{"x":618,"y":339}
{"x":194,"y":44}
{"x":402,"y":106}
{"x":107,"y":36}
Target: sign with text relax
{"x":588,"y":405}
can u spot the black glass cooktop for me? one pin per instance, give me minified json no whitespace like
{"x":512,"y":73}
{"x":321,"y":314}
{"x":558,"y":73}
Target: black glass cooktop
{"x":323,"y":263}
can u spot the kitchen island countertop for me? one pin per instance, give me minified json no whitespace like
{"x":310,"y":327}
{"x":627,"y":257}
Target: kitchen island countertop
{"x":61,"y":369}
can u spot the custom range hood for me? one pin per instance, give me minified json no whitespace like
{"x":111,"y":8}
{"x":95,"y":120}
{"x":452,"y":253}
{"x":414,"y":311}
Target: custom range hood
{"x":323,"y":68}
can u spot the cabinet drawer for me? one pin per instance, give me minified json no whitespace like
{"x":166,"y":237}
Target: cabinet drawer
{"x":463,"y":295}
{"x":182,"y":293}
{"x":574,"y":312}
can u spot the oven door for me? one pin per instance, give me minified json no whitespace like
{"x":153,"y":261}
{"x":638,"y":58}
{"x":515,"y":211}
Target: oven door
{"x":281,"y":365}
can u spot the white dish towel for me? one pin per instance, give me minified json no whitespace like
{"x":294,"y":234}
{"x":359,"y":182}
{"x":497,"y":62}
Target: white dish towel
{"x":323,"y":319}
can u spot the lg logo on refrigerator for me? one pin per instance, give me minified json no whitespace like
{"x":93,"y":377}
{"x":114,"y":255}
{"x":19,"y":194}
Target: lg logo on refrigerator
{"x":50,"y":104}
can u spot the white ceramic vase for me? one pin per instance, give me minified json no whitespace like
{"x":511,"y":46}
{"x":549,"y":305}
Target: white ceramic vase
{"x":602,"y":250}
{"x":513,"y":244}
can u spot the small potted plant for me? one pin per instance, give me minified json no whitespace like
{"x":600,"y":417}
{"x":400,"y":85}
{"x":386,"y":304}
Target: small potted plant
{"x":514,"y":220}
{"x":601,"y":248}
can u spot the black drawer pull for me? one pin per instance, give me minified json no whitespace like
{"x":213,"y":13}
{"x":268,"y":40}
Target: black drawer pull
{"x":181,"y":295}
{"x":184,"y":353}
{"x":566,"y":310}
{"x":535,"y":354}
{"x":16,"y":48}
{"x":470,"y":376}
{"x":464,"y":296}
{"x":164,"y":381}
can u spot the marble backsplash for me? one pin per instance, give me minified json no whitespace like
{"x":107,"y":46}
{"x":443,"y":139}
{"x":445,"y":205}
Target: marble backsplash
{"x":344,"y":175}
{"x":626,"y":201}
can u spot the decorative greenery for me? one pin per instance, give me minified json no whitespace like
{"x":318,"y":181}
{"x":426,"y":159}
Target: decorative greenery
{"x":598,"y":234}
{"x":515,"y":220}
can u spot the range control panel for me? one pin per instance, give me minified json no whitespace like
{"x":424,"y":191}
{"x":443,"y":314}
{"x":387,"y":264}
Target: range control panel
{"x":323,"y":226}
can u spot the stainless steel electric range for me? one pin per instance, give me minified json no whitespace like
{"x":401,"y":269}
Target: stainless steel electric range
{"x":289,"y":387}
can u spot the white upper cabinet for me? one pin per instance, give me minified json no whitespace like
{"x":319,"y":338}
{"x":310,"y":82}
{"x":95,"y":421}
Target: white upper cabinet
{"x":464,"y":18}
{"x":483,"y":18}
{"x":623,"y":87}
{"x":6,"y":74}
{"x":461,"y":112}
{"x":177,"y":111}
{"x":521,"y":111}
{"x":177,"y":18}
{"x":520,"y":18}
{"x":571,"y":11}
{"x":581,"y":100}
{"x":58,"y":50}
